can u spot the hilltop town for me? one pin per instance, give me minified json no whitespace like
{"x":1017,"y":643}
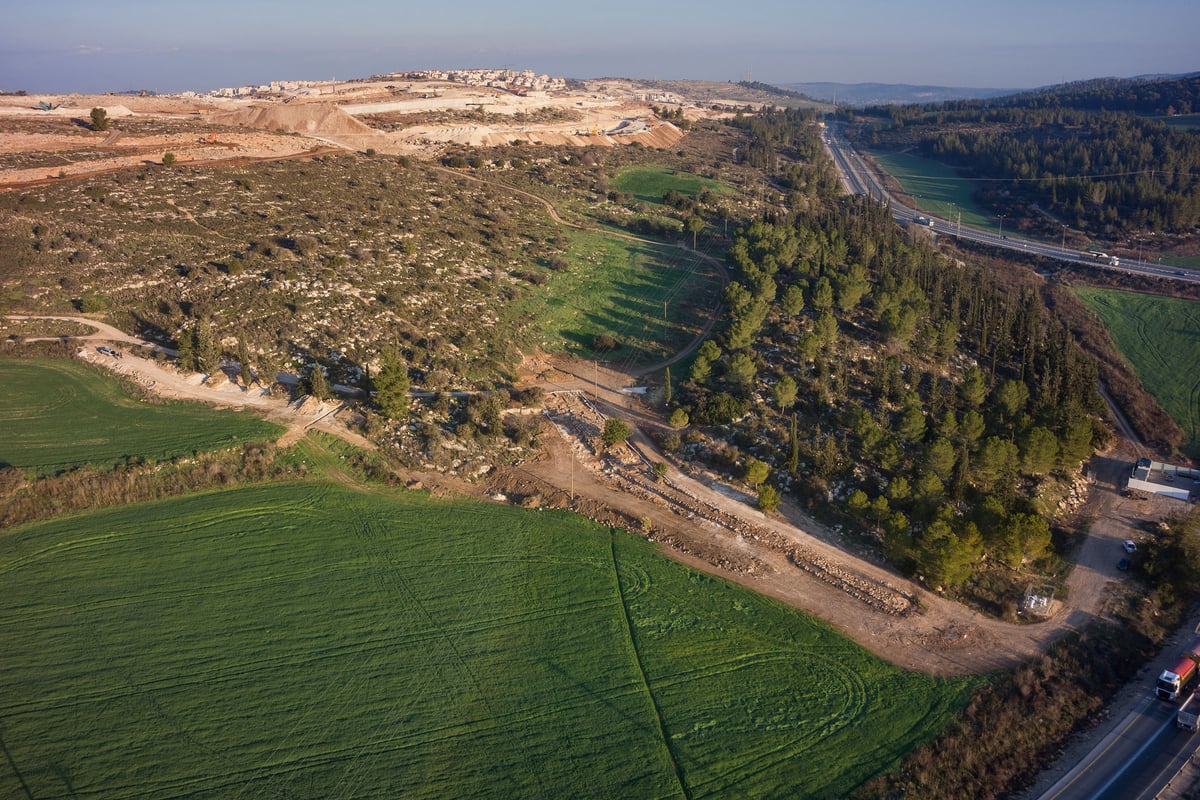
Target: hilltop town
{"x":423,"y":114}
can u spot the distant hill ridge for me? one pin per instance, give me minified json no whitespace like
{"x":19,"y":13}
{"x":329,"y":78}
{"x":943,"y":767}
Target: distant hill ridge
{"x":867,"y":94}
{"x":1144,"y":94}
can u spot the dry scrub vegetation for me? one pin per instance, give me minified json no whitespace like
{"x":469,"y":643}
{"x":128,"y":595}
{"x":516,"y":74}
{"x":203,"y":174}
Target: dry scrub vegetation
{"x":331,"y":258}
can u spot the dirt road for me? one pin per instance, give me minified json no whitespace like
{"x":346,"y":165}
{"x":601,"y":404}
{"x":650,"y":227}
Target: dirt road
{"x":937,"y":635}
{"x":715,"y":528}
{"x":165,"y":381}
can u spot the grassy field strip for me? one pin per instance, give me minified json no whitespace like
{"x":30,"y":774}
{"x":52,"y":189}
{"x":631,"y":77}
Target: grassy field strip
{"x":649,"y":183}
{"x":938,"y":189}
{"x":613,"y":286}
{"x":57,"y":414}
{"x":1160,"y":338}
{"x":305,"y":639}
{"x":793,"y":714}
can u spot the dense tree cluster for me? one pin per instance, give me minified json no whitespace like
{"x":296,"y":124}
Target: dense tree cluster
{"x":1152,"y":96}
{"x":1104,"y":172}
{"x":927,"y":399}
{"x":1078,"y":150}
{"x":778,"y":91}
{"x":791,"y":133}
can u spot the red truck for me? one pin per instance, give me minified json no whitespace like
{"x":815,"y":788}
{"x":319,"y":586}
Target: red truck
{"x":1172,"y":682}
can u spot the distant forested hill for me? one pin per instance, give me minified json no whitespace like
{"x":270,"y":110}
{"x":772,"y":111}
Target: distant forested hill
{"x":1153,"y":96}
{"x":1086,"y":153}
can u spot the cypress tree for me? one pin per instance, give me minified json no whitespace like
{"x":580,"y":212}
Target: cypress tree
{"x":244,"y":362}
{"x":186,"y":353}
{"x":318,"y":387}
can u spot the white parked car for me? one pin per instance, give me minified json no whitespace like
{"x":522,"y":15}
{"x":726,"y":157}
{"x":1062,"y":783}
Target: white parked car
{"x":1130,"y":546}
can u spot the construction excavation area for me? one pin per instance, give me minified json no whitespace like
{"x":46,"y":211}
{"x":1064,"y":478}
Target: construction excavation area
{"x":45,"y":138}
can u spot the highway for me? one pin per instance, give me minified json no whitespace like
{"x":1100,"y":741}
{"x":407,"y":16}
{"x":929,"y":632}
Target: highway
{"x":1135,"y":761}
{"x":857,"y":178}
{"x":1145,"y":749}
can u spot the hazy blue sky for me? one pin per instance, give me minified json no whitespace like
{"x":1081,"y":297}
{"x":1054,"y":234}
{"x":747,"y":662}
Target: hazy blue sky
{"x":115,"y":45}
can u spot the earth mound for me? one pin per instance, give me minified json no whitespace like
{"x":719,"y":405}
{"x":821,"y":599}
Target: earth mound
{"x":323,"y":118}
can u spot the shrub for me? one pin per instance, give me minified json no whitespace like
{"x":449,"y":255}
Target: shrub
{"x":615,"y":431}
{"x":94,"y":303}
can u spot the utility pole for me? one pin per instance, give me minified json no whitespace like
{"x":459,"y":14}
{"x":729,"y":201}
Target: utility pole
{"x":1001,"y":226}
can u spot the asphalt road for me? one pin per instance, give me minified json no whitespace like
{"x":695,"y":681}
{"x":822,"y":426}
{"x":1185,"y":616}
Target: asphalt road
{"x":857,"y":178}
{"x":1144,"y":749}
{"x":1135,"y":761}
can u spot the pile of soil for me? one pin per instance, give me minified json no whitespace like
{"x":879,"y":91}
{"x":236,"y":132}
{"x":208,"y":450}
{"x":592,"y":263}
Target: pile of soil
{"x":311,"y":118}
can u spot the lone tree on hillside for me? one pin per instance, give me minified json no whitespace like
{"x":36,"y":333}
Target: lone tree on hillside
{"x":615,"y":431}
{"x":392,"y":385}
{"x":318,"y":385}
{"x":168,"y":159}
{"x":99,"y":119}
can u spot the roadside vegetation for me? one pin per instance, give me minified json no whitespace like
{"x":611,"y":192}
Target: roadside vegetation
{"x":1029,"y":714}
{"x":1081,"y":155}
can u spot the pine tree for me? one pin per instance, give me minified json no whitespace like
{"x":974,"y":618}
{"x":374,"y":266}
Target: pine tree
{"x":392,"y":385}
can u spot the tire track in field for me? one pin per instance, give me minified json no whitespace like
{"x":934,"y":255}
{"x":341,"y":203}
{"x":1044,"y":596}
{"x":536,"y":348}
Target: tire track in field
{"x":389,"y":572}
{"x":851,"y":690}
{"x":807,"y":731}
{"x":641,"y":669}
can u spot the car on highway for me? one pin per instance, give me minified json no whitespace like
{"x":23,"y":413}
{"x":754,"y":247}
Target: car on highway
{"x":1130,"y":546}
